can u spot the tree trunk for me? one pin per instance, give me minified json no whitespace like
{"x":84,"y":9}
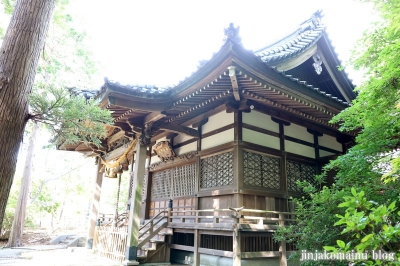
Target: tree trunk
{"x":17,"y":228}
{"x":19,"y":56}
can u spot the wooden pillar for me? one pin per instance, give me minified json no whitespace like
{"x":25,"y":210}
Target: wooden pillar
{"x":282,"y":124}
{"x":94,"y":212}
{"x":196,"y":257}
{"x":146,"y":188}
{"x":237,"y":258}
{"x":136,"y":203}
{"x":238,"y":178}
{"x":199,"y":126}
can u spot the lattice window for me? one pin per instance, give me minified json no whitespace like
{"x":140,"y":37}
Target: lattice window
{"x":261,"y":170}
{"x":217,"y":170}
{"x":161,"y":185}
{"x":184,"y":179}
{"x":144,"y":187}
{"x":299,"y":171}
{"x":131,"y":184}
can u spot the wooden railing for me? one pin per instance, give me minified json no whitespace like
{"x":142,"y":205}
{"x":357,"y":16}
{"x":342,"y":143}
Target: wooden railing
{"x":233,"y":218}
{"x":110,"y":241}
{"x":110,"y":219}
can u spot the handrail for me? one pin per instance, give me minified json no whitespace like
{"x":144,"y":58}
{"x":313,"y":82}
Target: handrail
{"x":152,"y":224}
{"x":120,"y":217}
{"x":233,"y":210}
{"x":152,"y":219}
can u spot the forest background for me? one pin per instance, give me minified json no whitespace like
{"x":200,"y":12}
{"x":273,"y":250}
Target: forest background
{"x":366,"y":193}
{"x":62,"y":182}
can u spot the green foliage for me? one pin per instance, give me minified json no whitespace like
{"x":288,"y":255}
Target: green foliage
{"x":69,"y":118}
{"x":371,"y":226}
{"x":66,"y":60}
{"x":371,"y":167}
{"x":8,"y":6}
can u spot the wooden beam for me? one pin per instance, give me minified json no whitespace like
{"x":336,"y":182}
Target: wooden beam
{"x":139,"y":105}
{"x":115,"y":137}
{"x":235,"y":86}
{"x":276,"y":120}
{"x":177,"y":129}
{"x":200,"y":123}
{"x":153,"y":117}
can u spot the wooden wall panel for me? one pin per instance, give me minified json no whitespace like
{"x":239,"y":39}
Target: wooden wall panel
{"x":181,"y":204}
{"x":259,"y":203}
{"x":218,"y":202}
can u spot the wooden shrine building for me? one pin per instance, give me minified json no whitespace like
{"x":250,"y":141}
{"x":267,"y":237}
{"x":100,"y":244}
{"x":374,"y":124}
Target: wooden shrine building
{"x":227,"y":147}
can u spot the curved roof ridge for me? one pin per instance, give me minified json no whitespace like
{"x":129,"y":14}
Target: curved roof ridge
{"x":308,"y":32}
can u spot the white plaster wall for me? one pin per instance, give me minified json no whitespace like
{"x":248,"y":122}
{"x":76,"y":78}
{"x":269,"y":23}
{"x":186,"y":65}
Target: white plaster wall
{"x":181,"y":138}
{"x":260,"y":139}
{"x":217,"y":139}
{"x":329,"y":142}
{"x":155,"y":159}
{"x":298,"y":132}
{"x":187,"y":148}
{"x":299,"y":149}
{"x":260,"y":120}
{"x":323,"y":153}
{"x":217,"y":121}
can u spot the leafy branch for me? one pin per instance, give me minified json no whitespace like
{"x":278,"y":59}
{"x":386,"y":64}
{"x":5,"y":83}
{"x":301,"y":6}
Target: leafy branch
{"x":69,"y":118}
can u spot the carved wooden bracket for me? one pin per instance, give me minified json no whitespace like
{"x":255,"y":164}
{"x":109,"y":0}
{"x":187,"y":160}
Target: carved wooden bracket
{"x":148,"y":130}
{"x":176,"y":160}
{"x":164,"y":151}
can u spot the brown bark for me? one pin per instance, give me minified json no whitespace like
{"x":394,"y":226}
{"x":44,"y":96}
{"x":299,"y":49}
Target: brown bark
{"x":19,"y":56}
{"x":17,"y":228}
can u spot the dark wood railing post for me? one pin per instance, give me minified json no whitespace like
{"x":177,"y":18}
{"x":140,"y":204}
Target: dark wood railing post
{"x":282,"y":244}
{"x":169,"y":210}
{"x":237,"y":257}
{"x":196,"y":257}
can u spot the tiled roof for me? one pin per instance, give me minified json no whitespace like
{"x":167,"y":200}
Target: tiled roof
{"x":294,"y":44}
{"x":149,"y":91}
{"x":309,"y":32}
{"x":311,"y":87}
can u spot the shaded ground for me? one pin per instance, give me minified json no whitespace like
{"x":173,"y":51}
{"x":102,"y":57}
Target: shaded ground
{"x":49,"y":255}
{"x":36,"y":251}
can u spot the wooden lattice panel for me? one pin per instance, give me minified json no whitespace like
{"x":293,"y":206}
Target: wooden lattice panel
{"x":299,"y":172}
{"x":261,"y":170}
{"x":161,"y":185}
{"x":217,"y":171}
{"x":110,"y":242}
{"x":144,"y":187}
{"x":184,"y":179}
